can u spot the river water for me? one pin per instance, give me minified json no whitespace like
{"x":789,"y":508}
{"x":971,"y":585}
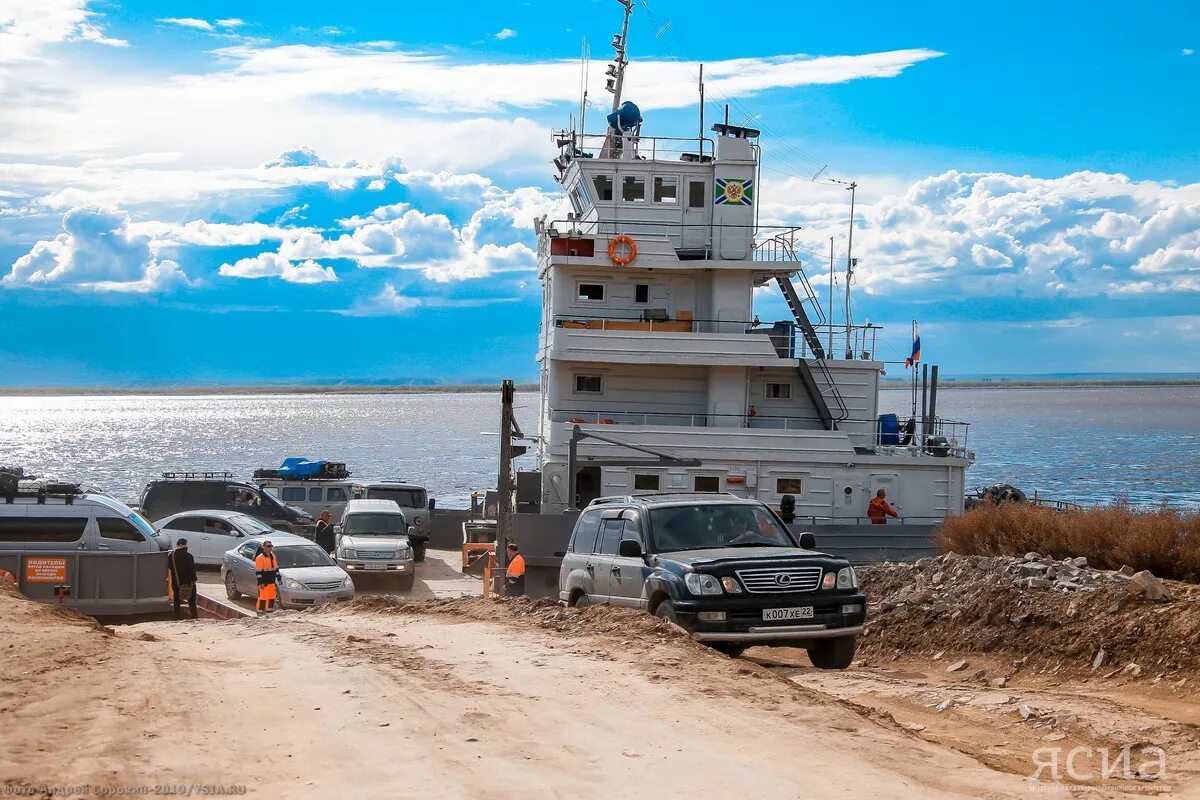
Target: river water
{"x":1087,"y":444}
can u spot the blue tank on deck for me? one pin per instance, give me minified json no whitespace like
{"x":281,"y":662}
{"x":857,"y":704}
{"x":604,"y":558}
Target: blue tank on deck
{"x":627,"y":117}
{"x":889,"y":429}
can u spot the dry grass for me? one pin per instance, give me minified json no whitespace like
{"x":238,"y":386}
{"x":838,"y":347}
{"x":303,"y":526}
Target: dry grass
{"x":1164,"y":541}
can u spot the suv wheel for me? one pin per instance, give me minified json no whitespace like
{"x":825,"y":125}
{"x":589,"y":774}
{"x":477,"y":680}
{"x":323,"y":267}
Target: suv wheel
{"x":418,"y":552}
{"x":666,"y":610}
{"x":833,"y":653}
{"x":581,"y":600}
{"x":731,"y":650}
{"x":231,"y":590}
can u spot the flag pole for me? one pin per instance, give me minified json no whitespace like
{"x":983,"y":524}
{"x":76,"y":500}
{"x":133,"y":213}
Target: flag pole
{"x":914,"y":373}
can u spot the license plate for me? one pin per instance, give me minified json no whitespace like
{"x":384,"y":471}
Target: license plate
{"x":375,"y":566}
{"x":776,"y":614}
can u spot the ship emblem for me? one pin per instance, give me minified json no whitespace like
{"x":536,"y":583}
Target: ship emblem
{"x":734,"y":192}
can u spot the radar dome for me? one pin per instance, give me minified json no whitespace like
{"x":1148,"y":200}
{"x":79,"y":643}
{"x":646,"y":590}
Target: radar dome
{"x":627,"y":117}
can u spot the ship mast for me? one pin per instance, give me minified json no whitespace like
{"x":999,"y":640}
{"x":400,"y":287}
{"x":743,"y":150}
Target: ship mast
{"x":617,"y":71}
{"x":616,"y":80}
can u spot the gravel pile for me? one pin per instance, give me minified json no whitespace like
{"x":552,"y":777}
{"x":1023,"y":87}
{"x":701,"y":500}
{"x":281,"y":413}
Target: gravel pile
{"x":1046,"y":609}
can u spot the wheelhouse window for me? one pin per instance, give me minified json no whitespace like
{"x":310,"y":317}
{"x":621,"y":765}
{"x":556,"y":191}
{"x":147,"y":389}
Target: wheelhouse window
{"x":777,"y":391}
{"x":789,"y":486}
{"x":646,"y":483}
{"x":591,"y":292}
{"x":641,"y":293}
{"x":633,"y":189}
{"x":696,"y":194}
{"x":707,"y":483}
{"x":666,"y":190}
{"x":583,"y":201}
{"x":589,"y":384}
{"x":604,"y":188}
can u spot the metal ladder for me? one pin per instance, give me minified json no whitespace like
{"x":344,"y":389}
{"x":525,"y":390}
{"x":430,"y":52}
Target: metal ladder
{"x":782,"y":244}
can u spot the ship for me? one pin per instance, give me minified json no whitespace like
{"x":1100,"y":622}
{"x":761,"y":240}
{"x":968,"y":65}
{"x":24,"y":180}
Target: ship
{"x":657,"y":374}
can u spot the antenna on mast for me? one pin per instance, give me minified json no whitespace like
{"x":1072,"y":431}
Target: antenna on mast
{"x":616,"y":70}
{"x":585,"y":62}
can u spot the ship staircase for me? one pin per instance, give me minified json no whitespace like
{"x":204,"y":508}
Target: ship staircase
{"x":811,"y":377}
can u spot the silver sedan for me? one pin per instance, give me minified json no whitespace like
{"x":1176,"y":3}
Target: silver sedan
{"x":309,"y":577}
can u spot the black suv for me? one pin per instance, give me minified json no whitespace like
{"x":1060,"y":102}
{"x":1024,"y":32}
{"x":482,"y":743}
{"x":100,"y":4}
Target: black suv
{"x":192,"y":491}
{"x":724,"y":568}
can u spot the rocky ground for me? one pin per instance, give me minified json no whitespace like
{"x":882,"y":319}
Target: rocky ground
{"x":1041,"y":613}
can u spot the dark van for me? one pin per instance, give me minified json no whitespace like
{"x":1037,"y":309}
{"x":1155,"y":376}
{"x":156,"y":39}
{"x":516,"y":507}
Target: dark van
{"x":192,"y":491}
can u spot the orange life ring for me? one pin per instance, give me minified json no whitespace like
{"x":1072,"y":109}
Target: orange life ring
{"x":628,"y":241}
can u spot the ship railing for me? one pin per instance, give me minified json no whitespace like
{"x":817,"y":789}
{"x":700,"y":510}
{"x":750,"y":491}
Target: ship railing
{"x":945,"y":437}
{"x":631,"y":147}
{"x":692,"y":237}
{"x":859,"y":343}
{"x":815,"y":520}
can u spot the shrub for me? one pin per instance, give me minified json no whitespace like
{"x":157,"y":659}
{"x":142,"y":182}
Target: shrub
{"x":1165,"y":541}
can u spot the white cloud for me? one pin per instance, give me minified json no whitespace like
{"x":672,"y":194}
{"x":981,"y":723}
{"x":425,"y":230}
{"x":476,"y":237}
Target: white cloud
{"x":1086,"y":233}
{"x":188,"y":22}
{"x":388,"y":302}
{"x":230,"y":22}
{"x":504,"y":33}
{"x":27,"y":26}
{"x":97,"y":251}
{"x":1187,"y":51}
{"x":273,"y":265}
{"x":329,"y":97}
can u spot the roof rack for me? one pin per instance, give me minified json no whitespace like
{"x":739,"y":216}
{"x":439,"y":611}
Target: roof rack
{"x":198,"y":476}
{"x":42,"y":489}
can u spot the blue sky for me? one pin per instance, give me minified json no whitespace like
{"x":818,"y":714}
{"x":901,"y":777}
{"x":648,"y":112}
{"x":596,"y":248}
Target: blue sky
{"x":244,"y":192}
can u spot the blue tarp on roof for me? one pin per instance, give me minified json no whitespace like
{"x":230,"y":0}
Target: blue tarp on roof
{"x":300,"y":468}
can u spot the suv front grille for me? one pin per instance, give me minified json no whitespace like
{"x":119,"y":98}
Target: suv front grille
{"x":320,"y":586}
{"x":788,"y":580}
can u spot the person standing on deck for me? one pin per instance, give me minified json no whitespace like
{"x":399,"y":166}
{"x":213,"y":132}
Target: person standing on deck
{"x":514,"y":576}
{"x":879,"y":509}
{"x":181,"y":568}
{"x":266,"y":565}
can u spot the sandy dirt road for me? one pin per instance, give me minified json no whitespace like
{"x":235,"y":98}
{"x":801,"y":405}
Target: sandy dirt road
{"x":478,"y":703}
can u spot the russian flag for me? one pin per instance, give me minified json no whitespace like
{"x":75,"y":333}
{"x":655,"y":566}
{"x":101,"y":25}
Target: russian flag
{"x":916,"y":348}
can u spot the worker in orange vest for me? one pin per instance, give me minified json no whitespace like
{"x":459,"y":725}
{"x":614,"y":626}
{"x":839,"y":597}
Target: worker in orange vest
{"x":879,"y":509}
{"x":266,"y":565}
{"x":514,"y":576}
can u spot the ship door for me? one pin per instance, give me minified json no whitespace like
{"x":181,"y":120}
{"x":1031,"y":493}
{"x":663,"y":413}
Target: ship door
{"x":696,"y":211}
{"x":587,"y":486}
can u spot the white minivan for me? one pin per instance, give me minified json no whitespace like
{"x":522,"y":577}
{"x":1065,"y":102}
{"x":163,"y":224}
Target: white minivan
{"x":68,"y":521}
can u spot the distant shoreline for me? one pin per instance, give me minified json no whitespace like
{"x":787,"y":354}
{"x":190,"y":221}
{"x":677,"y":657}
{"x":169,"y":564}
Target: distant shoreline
{"x":366,"y":389}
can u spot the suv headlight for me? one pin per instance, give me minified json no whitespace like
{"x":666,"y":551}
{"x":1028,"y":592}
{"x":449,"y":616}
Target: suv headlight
{"x":846,"y":579}
{"x":404,"y":552}
{"x":699,"y":583}
{"x":347,"y":582}
{"x":293,"y":584}
{"x":349,"y":553}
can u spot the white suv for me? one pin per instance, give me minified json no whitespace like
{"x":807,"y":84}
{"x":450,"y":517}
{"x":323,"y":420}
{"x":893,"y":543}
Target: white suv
{"x":372,"y":537}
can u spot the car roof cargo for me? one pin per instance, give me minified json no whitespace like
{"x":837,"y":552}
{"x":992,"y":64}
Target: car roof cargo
{"x":15,"y":483}
{"x":297,"y":468}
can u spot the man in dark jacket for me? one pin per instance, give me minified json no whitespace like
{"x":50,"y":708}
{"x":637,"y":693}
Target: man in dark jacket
{"x":324,"y":535}
{"x":181,"y":567}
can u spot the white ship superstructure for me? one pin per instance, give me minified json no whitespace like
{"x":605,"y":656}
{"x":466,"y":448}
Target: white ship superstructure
{"x":649,"y":339}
